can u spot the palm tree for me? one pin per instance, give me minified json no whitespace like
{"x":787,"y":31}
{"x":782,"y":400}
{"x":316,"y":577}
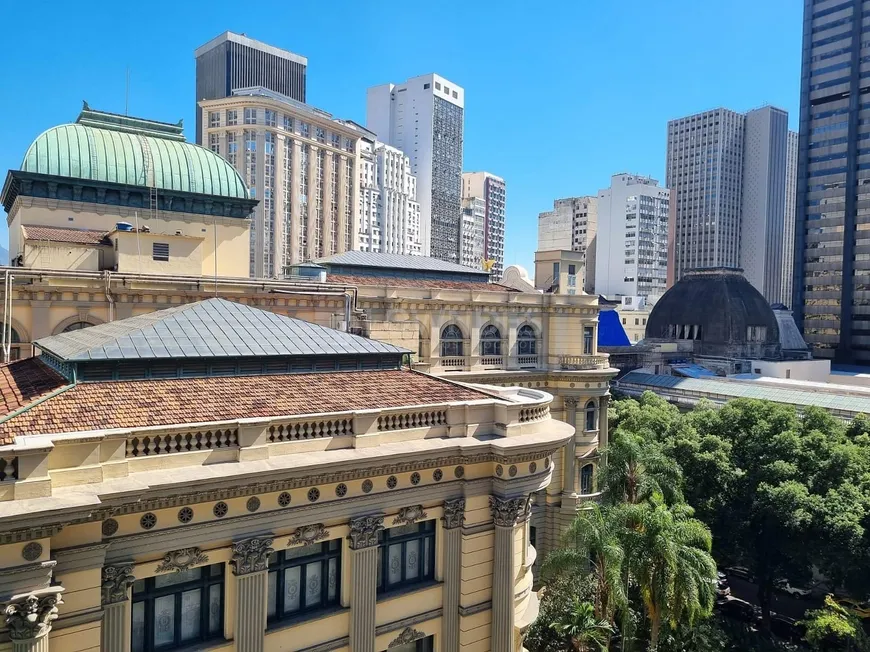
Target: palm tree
{"x":670,"y":563}
{"x":638,"y":471}
{"x":585,"y":631}
{"x":591,"y":545}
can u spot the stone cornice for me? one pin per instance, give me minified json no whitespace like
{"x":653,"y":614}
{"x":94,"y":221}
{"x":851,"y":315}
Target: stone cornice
{"x":30,"y":533}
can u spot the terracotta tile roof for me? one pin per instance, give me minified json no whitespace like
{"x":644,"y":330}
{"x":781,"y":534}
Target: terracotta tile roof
{"x":140,"y":403}
{"x":60,"y":234}
{"x":434,"y":284}
{"x":24,"y":381}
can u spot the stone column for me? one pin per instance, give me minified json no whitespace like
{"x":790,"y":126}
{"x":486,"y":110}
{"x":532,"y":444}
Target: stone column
{"x":453,"y":519}
{"x":116,"y":607}
{"x":29,"y":617}
{"x":570,"y":462}
{"x":250,"y":562}
{"x":506,"y":513}
{"x":363,"y":581}
{"x":603,"y":433}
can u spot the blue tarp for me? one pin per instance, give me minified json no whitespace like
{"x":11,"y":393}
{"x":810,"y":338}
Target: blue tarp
{"x":610,"y":330}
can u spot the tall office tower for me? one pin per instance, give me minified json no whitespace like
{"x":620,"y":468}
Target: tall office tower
{"x":572,"y":226}
{"x":762,"y":211}
{"x":721,"y":165}
{"x":472,"y":232}
{"x":631,"y":249}
{"x":232,"y":61}
{"x":389,"y":213}
{"x":832,"y":225}
{"x":788,"y":219}
{"x":491,"y":189}
{"x":301,"y":163}
{"x":423,"y":117}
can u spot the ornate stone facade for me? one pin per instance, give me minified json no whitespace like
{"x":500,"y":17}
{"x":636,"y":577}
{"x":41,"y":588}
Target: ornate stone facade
{"x":409,"y":515}
{"x":251,"y":555}
{"x":30,"y":615}
{"x":177,"y":561}
{"x":508,"y":512}
{"x":364,"y":531}
{"x":116,"y":581}
{"x":309,"y":534}
{"x":454,"y":513}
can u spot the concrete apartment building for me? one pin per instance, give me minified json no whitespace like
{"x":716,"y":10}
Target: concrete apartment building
{"x":789,"y":220}
{"x":230,"y":61}
{"x":832,"y":236}
{"x":423,"y":117}
{"x":389,"y":211}
{"x":491,"y":189}
{"x":726,"y":172}
{"x":572,"y":225}
{"x":301,"y":163}
{"x":631,"y":250}
{"x":472,"y":232}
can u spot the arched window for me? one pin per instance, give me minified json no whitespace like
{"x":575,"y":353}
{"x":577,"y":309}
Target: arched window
{"x":527,"y":341}
{"x":490,"y":341}
{"x":76,"y":326}
{"x":451,"y":341}
{"x":587,"y":479}
{"x":590,"y":415}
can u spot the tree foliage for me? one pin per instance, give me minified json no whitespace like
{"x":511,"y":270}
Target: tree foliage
{"x":833,"y":628}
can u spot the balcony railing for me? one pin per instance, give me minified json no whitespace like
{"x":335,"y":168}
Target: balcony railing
{"x":453,"y":363}
{"x":492,"y":361}
{"x":526,"y":361}
{"x":581,"y":362}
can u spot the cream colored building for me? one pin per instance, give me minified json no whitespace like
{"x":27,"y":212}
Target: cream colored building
{"x":301,"y":163}
{"x":125,"y":194}
{"x":572,"y":225}
{"x":362,"y":510}
{"x":560,"y":271}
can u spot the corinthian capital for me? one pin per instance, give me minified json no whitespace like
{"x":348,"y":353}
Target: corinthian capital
{"x":116,"y":580}
{"x":251,"y":555}
{"x":454,"y":513}
{"x":364,"y":531}
{"x":29,"y":615}
{"x":507,"y":512}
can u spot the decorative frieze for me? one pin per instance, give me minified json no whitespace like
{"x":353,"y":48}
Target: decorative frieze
{"x":181,"y":560}
{"x":454,"y":513}
{"x":408,"y":635}
{"x":116,"y":581}
{"x":409,"y":515}
{"x":308,"y":534}
{"x":29,"y":615}
{"x":507,"y":512}
{"x":364,"y":531}
{"x":251,"y":555}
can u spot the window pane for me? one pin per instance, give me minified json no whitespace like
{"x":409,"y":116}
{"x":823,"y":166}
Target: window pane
{"x":412,"y":560}
{"x":138,"y":627}
{"x":164,"y":620}
{"x":333,"y":580}
{"x":301,"y":551}
{"x":272,"y":595}
{"x":394,"y":572}
{"x":215,"y":607}
{"x":138,"y":587}
{"x":292,"y":577}
{"x":191,"y":612}
{"x":411,"y":528}
{"x":313,"y":584}
{"x":427,"y":558}
{"x":171,"y":579}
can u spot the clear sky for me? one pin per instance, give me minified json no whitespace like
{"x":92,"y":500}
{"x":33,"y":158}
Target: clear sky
{"x":559,"y":94}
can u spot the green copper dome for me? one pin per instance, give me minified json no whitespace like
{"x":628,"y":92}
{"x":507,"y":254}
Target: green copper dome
{"x":114,"y":148}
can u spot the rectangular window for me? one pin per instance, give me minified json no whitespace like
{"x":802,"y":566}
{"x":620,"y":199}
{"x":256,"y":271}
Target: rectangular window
{"x":214,"y":119}
{"x":178,"y":610}
{"x":455,"y":95}
{"x":160,"y":251}
{"x":304,"y":579}
{"x":214,"y":143}
{"x":572,"y":269}
{"x":304,"y":129}
{"x":250,"y":116}
{"x":588,"y":334}
{"x":270,"y":117}
{"x":321,"y":134}
{"x":406,"y":556}
{"x":420,"y":645}
{"x":335,"y":139}
{"x":437,"y":86}
{"x":426,"y":86}
{"x":232,"y":117}
{"x":288,"y":123}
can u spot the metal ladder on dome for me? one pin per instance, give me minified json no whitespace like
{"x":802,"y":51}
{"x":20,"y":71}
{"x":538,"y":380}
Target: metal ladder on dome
{"x":148,"y":167}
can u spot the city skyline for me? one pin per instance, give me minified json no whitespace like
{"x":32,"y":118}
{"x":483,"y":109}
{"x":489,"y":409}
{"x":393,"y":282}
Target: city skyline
{"x":614,"y":136}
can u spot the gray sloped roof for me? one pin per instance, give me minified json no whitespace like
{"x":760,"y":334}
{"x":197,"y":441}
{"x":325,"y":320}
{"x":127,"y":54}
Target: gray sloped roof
{"x":208,"y":329}
{"x":789,"y":336}
{"x":397,"y":261}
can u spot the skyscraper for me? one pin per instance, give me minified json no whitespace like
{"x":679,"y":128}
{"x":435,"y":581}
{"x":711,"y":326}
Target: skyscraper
{"x":491,"y":189}
{"x":631,"y":249}
{"x":423,"y":117}
{"x":572,"y":226}
{"x":726,"y":172}
{"x":788,"y":219}
{"x":471,"y":232}
{"x":832,"y":227}
{"x":231,"y":61}
{"x":389,"y":213}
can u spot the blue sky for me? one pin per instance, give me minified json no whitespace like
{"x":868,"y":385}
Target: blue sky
{"x":559,"y":94}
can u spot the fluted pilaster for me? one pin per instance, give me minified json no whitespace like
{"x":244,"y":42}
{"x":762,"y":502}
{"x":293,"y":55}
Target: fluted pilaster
{"x":250,"y":563}
{"x":454,"y":517}
{"x":569,"y":465}
{"x":363,"y":581}
{"x":29,"y":617}
{"x":116,"y":584}
{"x":506,"y":514}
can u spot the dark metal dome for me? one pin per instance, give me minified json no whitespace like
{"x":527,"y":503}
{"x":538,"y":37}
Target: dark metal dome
{"x":720,"y":311}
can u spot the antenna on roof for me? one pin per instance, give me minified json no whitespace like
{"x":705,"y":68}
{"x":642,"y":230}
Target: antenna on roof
{"x":127,"y":94}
